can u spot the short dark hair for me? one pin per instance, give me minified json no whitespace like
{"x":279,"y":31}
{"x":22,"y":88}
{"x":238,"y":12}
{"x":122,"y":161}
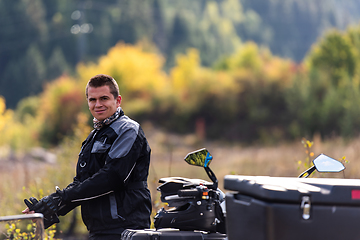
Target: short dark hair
{"x":103,"y":80}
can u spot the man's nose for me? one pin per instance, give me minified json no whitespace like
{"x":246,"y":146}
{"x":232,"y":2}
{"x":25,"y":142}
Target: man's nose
{"x":98,"y":103}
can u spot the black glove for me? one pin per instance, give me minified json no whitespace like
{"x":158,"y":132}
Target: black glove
{"x":52,"y":203}
{"x":33,"y":204}
{"x":40,"y":207}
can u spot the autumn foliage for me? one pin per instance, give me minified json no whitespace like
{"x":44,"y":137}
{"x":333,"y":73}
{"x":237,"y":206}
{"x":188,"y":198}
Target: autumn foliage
{"x":249,"y":95}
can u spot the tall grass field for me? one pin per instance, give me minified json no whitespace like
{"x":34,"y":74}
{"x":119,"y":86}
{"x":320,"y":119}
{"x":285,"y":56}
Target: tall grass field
{"x":22,"y":176}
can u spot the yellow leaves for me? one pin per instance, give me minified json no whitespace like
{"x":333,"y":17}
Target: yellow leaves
{"x":307,"y":144}
{"x":5,"y":115}
{"x":13,"y":232}
{"x":61,"y":102}
{"x":344,"y":160}
{"x":10,"y":226}
{"x":189,"y":77}
{"x":12,"y":132}
{"x":193,"y":85}
{"x":63,"y":95}
{"x":184,"y":73}
{"x":144,"y":86}
{"x":186,"y":77}
{"x":82,"y":129}
{"x":277,"y":69}
{"x":247,"y":57}
{"x":29,"y":227}
{"x":2,"y":105}
{"x":252,"y":63}
{"x":309,"y":154}
{"x":224,"y":85}
{"x":137,"y":72}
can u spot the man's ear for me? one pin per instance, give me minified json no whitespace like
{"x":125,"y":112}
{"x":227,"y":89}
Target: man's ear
{"x":118,"y":101}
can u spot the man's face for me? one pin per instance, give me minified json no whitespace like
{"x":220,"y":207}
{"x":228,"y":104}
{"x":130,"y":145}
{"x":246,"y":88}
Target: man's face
{"x":102,"y":103}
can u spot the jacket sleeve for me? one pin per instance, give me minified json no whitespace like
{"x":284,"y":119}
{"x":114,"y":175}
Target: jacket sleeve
{"x":69,"y":206}
{"x":120,"y":162}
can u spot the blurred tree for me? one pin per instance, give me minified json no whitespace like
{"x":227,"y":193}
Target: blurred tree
{"x":27,"y":107}
{"x":35,"y":70}
{"x":159,"y":36}
{"x":178,"y":39}
{"x":353,"y":36}
{"x":138,"y":71}
{"x":84,"y":30}
{"x":217,"y":28}
{"x":24,"y":76}
{"x":57,"y":64}
{"x":262,"y":79}
{"x":326,"y":100}
{"x":61,"y":102}
{"x":281,"y":23}
{"x":335,"y":55}
{"x":5,"y":115}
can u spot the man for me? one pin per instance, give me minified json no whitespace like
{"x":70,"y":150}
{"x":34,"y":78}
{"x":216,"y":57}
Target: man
{"x":112,"y":170}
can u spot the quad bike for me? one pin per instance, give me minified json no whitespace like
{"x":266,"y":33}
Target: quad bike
{"x":197,"y":207}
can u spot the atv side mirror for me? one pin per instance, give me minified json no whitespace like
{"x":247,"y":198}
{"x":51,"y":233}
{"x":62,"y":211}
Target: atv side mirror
{"x":323,"y":163}
{"x":200,"y":157}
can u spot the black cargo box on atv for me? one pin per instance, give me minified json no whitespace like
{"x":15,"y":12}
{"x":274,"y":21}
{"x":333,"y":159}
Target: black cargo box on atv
{"x":281,"y":208}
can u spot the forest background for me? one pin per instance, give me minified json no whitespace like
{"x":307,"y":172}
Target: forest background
{"x":223,"y":74}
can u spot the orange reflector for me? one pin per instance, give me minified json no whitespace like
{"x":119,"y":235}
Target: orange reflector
{"x":205,"y":193}
{"x":355,"y":194}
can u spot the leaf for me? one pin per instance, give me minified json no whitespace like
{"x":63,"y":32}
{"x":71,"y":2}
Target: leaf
{"x":29,"y":227}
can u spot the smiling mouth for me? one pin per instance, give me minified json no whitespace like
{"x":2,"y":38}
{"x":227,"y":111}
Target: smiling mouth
{"x":100,"y":111}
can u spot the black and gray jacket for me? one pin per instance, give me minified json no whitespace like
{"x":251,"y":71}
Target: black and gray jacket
{"x":110,"y":183}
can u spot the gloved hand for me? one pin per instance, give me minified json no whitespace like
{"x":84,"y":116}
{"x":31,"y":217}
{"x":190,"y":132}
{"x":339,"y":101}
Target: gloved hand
{"x":33,"y":204}
{"x":40,"y":207}
{"x":52,"y":203}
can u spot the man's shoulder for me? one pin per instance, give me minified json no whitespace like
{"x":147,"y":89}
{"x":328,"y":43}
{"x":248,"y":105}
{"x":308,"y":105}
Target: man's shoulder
{"x":124,"y":123}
